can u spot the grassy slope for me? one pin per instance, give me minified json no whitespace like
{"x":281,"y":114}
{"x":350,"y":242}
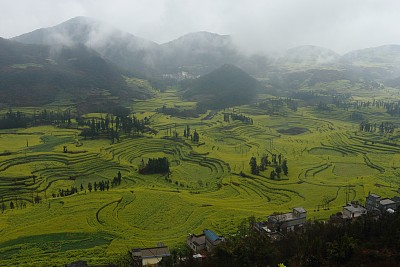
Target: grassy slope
{"x":145,"y":210}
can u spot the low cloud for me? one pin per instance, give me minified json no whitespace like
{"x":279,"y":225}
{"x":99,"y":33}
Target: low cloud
{"x":258,"y":25}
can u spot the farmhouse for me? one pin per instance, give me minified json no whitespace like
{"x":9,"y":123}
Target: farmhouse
{"x":287,"y":221}
{"x":149,"y":256}
{"x":196,"y":243}
{"x":206,"y":241}
{"x":353,"y":210}
{"x":374,"y":203}
{"x":212,"y":239}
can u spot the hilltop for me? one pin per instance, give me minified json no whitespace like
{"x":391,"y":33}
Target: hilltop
{"x":223,"y":87}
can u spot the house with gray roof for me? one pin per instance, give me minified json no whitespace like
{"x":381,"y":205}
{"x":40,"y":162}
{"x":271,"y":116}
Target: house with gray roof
{"x":353,"y":210}
{"x":149,"y":256}
{"x":374,"y":203}
{"x":287,"y":221}
{"x":197,"y":243}
{"x":206,"y":241}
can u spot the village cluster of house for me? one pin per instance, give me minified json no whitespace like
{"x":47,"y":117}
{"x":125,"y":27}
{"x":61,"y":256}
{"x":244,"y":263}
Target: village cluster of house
{"x":204,"y":242}
{"x":275,"y":225}
{"x":374,"y":204}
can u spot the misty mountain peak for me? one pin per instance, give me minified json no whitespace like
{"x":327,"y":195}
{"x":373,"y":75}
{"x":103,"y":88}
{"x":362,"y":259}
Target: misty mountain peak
{"x":201,"y":39}
{"x":385,"y":54}
{"x":310,"y":55}
{"x":84,"y":30}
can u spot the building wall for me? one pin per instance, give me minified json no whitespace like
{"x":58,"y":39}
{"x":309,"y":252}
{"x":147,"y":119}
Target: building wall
{"x":292,"y":224}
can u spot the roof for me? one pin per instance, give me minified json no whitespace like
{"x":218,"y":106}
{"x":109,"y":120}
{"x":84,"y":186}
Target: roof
{"x":300,"y":209}
{"x":211,"y":235}
{"x":353,"y":208}
{"x":374,"y":195}
{"x":198,"y":240}
{"x":386,"y":201}
{"x":155,"y":252}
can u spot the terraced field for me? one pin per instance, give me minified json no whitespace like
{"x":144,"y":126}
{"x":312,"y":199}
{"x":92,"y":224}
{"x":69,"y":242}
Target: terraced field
{"x":328,"y":162}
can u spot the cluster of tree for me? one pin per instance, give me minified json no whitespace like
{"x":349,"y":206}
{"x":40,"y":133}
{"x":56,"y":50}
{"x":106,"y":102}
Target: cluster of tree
{"x":66,"y":192}
{"x":186,"y":132}
{"x":112,"y":126}
{"x":20,"y":119}
{"x":194,"y":137}
{"x":276,"y":105}
{"x":16,"y":204}
{"x":177,"y":112}
{"x":313,"y":98}
{"x":104,"y":185}
{"x":341,"y":101}
{"x":53,"y":117}
{"x":154,"y":165}
{"x":393,"y":108}
{"x":323,"y":107}
{"x":277,"y":161}
{"x":13,"y":120}
{"x":368,"y":241}
{"x":384,"y":127}
{"x":101,"y":186}
{"x":237,"y":117}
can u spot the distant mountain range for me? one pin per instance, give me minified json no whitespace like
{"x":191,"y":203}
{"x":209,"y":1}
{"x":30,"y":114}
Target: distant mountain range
{"x":197,"y":53}
{"x":93,"y":55}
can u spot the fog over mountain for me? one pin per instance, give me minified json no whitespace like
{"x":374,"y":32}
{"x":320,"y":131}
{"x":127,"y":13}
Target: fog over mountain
{"x":254,"y":26}
{"x":199,"y":53}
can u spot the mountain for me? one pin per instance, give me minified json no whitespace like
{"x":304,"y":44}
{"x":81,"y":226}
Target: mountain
{"x":223,"y":87}
{"x":123,"y":49}
{"x":196,"y":53}
{"x":308,"y":56}
{"x":387,"y":55}
{"x":33,"y":75}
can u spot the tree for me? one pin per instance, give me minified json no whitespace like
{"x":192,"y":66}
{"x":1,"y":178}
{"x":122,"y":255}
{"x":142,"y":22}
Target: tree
{"x":278,"y":171}
{"x":285,"y":167}
{"x":196,"y":136}
{"x":187,"y":131}
{"x":119,"y":177}
{"x":272,"y":174}
{"x":263,"y":164}
{"x":341,"y":249}
{"x":253,"y":166}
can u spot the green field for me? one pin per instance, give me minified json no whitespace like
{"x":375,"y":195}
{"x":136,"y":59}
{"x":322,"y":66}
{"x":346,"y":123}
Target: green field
{"x":328,"y":160}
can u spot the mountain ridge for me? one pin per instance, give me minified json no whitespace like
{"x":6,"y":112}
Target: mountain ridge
{"x":197,"y":53}
{"x":33,"y":75}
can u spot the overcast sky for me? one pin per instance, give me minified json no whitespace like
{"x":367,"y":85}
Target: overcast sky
{"x":264,"y":25}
